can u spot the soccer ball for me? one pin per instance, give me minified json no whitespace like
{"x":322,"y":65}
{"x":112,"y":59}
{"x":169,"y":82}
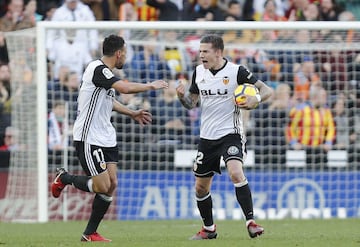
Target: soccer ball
{"x":244,"y":89}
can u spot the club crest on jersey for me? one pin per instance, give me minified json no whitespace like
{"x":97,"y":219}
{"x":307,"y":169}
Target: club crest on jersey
{"x":107,"y":73}
{"x":232,"y":150}
{"x":226,"y":80}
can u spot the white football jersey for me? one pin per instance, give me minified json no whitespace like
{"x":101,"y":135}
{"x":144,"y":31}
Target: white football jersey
{"x":219,"y":115}
{"x":95,"y":103}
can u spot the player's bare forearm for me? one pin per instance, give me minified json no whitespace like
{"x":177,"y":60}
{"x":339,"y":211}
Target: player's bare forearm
{"x":264,"y":90}
{"x":189,"y":101}
{"x":134,"y":87}
{"x":141,"y":116}
{"x":120,"y":108}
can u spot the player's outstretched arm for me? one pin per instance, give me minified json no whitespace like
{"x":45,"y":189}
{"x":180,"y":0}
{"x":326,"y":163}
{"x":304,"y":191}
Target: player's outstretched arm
{"x":120,"y":108}
{"x":134,"y":87}
{"x":141,"y":116}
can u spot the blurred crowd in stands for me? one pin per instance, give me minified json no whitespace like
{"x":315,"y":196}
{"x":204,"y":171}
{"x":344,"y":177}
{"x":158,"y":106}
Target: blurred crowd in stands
{"x":317,"y":97}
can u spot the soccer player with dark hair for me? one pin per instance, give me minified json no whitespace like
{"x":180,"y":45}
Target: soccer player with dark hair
{"x":95,"y":136}
{"x":221,"y":132}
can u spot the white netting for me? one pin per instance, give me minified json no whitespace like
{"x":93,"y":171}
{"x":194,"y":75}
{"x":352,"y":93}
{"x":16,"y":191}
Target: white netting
{"x":21,"y":195}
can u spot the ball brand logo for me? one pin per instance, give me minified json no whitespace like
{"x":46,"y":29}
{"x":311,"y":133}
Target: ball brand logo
{"x":301,"y":193}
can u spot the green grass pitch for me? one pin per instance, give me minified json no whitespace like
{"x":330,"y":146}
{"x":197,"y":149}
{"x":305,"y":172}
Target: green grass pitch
{"x":175,"y":233}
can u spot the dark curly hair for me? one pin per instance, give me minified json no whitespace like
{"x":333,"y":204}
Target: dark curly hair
{"x":111,"y":44}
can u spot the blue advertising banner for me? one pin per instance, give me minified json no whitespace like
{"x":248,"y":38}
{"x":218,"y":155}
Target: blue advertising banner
{"x":276,"y":195}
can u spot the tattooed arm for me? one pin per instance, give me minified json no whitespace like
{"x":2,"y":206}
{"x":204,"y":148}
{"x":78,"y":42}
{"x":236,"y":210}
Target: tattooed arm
{"x":188,"y":100}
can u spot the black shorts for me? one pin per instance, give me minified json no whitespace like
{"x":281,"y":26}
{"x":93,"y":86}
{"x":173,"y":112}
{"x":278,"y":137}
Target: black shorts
{"x":93,"y":158}
{"x":210,"y":152}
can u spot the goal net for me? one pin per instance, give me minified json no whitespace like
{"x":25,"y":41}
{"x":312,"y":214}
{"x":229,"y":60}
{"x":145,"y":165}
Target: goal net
{"x":155,"y":179}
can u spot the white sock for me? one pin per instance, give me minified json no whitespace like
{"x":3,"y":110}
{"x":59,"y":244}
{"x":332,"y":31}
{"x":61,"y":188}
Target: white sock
{"x":90,"y":185}
{"x":249,"y":221}
{"x":210,"y":228}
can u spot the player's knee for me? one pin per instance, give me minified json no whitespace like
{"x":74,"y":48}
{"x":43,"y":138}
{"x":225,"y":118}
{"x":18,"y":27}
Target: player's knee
{"x":237,"y":177}
{"x":201,"y":190}
{"x":102,"y":188}
{"x":113,"y":186}
{"x":236,"y":174}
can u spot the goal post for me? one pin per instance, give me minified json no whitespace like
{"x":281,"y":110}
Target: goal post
{"x":155,"y":179}
{"x":41,"y":114}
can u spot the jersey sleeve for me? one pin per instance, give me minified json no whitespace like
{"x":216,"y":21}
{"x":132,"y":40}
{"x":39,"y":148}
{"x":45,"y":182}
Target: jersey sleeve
{"x":104,"y":77}
{"x":193,"y":87}
{"x":245,"y":76}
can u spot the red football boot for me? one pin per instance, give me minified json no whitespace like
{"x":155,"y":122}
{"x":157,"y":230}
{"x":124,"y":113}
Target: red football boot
{"x":94,"y":237}
{"x":57,"y":186}
{"x":254,"y":229}
{"x":204,"y":234}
